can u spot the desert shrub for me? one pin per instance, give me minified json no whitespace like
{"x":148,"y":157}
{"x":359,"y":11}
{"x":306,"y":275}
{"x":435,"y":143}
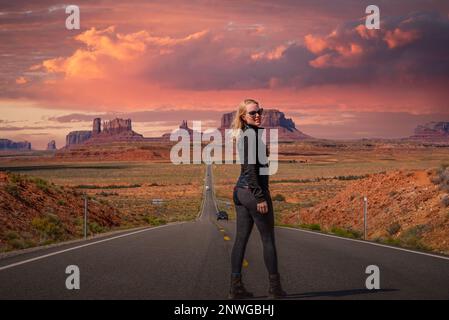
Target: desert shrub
{"x":393,"y":228}
{"x":11,"y":235}
{"x":61,"y":202}
{"x":42,"y":184}
{"x":392,"y":193}
{"x":307,"y":204}
{"x":103,"y":202}
{"x":347,"y":233}
{"x":106,"y":194}
{"x":350,"y":177}
{"x":312,"y":226}
{"x":87,"y":186}
{"x":155,"y":221}
{"x":435,"y":180}
{"x":442,"y":177}
{"x":18,"y":244}
{"x":94,"y":227}
{"x":412,"y":237}
{"x":16,"y":241}
{"x":278,"y":197}
{"x":13,"y":190}
{"x":15,"y":178}
{"x":50,"y":226}
{"x":389,"y":240}
{"x":445,"y":201}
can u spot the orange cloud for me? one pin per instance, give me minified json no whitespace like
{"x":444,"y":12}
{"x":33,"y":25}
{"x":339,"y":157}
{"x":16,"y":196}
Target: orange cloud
{"x":315,"y":44}
{"x":274,"y":54}
{"x":366,"y":33}
{"x":21,"y":80}
{"x":399,"y":38}
{"x":106,"y":49}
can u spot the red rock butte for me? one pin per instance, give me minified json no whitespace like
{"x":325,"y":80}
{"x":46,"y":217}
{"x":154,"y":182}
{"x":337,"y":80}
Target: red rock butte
{"x":272,"y":119}
{"x":432,"y":131}
{"x":108,"y":131}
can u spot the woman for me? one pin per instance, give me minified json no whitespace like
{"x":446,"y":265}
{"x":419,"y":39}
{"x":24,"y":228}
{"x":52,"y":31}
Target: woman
{"x":253,"y":204}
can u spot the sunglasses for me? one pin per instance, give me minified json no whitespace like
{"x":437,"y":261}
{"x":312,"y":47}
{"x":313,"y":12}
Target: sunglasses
{"x":254,"y":112}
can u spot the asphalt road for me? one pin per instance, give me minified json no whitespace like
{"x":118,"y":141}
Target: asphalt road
{"x":191,"y":260}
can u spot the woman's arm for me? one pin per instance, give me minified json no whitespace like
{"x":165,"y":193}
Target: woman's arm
{"x":251,"y":173}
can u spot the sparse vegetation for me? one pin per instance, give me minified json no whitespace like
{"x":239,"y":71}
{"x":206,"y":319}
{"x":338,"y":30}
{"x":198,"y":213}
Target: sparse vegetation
{"x":442,"y":178}
{"x":312,"y":226}
{"x":94,"y":227}
{"x":113,"y":186}
{"x":13,"y":190}
{"x":106,"y":194}
{"x":347,"y":233}
{"x":350,"y":177}
{"x":49,"y":226}
{"x":278,"y":197}
{"x":41,"y":184}
{"x":155,"y":221}
{"x":392,"y":193}
{"x":16,"y":241}
{"x":11,"y":235}
{"x":412,"y":237}
{"x":393,"y":228}
{"x":307,"y":204}
{"x":445,"y":201}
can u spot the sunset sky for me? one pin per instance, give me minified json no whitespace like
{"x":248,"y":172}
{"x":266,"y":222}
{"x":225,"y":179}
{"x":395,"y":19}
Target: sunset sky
{"x":159,"y":62}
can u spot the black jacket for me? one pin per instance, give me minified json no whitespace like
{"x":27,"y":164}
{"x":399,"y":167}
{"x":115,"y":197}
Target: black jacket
{"x":250,"y":173}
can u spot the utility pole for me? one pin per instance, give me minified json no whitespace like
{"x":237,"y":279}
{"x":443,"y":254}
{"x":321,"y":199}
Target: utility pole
{"x":365,"y":222}
{"x":85,"y":216}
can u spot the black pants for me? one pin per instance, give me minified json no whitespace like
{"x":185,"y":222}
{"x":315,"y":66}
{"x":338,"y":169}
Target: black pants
{"x":247,"y":215}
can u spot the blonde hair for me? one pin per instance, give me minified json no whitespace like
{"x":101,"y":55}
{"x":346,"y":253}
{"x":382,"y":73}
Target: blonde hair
{"x":238,"y":124}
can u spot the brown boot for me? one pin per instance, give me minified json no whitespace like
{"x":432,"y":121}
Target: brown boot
{"x":238,"y":290}
{"x":275,"y":291}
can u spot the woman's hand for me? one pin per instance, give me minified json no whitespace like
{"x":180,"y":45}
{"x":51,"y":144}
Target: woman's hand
{"x":262,"y":207}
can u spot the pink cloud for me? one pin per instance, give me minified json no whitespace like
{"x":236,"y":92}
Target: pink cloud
{"x":106,"y":50}
{"x":21,"y":80}
{"x":274,"y":54}
{"x":315,"y":44}
{"x":398,"y":38}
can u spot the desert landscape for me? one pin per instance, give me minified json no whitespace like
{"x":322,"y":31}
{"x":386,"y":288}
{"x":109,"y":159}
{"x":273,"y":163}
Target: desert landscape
{"x":323,"y":190}
{"x":43,"y":204}
{"x":130,"y":182}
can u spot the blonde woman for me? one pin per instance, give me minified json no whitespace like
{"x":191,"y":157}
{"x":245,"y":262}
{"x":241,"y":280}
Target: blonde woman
{"x":253,"y":204}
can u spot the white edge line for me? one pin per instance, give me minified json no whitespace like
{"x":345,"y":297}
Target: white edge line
{"x":367,"y":242}
{"x":83,"y":246}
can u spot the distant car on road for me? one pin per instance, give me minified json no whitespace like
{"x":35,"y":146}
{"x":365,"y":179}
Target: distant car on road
{"x":207,"y":188}
{"x":222,"y":215}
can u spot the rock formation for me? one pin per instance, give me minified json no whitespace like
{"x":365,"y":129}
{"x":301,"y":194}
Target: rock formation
{"x":432,"y":131}
{"x":6,"y":144}
{"x":96,"y":126}
{"x":272,"y":119}
{"x":121,"y":130}
{"x":113,"y":130}
{"x":51,"y":145}
{"x":116,"y":126}
{"x":77,"y":137}
{"x":183,"y":126}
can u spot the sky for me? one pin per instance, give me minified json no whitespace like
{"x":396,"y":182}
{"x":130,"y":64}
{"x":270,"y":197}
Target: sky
{"x":159,"y":62}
